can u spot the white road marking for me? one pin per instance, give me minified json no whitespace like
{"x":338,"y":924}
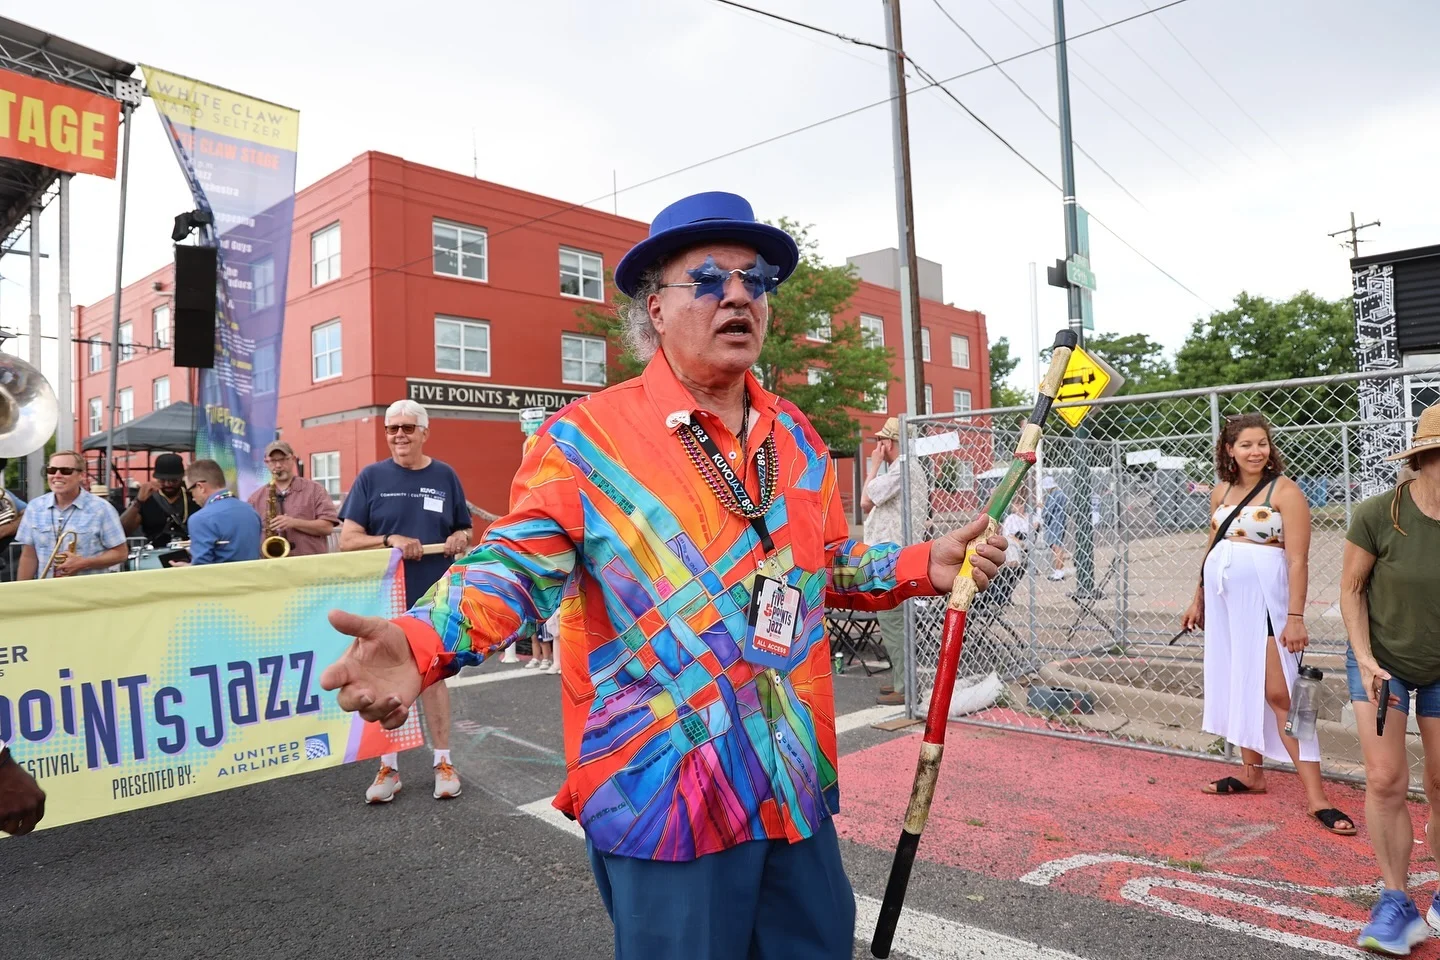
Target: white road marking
{"x":514,"y":674}
{"x":925,"y":935}
{"x":863,"y":718}
{"x":544,"y":810}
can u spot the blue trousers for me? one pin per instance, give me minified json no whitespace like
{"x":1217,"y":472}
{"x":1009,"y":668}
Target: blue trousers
{"x":762,"y":900}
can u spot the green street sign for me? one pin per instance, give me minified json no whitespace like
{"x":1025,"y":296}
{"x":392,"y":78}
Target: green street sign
{"x":1077,"y":271}
{"x":1087,"y":310}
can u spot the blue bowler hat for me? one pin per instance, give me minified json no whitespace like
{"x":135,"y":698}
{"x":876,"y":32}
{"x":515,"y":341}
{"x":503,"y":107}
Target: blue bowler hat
{"x":703,"y":218}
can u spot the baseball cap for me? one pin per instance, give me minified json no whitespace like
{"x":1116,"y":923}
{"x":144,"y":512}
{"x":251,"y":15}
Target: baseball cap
{"x":280,"y":445}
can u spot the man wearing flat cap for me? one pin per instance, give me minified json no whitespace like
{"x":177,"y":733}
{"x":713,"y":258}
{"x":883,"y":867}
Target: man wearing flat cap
{"x":688,"y":526}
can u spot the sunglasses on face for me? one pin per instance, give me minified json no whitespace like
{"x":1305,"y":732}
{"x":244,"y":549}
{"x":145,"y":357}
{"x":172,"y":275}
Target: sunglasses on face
{"x":406,"y":428}
{"x":63,"y":471}
{"x":709,"y":279}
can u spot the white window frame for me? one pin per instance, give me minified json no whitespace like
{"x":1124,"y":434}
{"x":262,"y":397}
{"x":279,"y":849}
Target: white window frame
{"x":460,"y":230}
{"x":262,"y":290}
{"x":959,"y":351}
{"x":125,"y":403}
{"x":262,"y":376}
{"x":872,"y":330}
{"x":96,"y":414}
{"x":334,"y":356}
{"x":127,"y":341}
{"x":585,"y":362}
{"x":325,"y":255}
{"x":821,"y":333}
{"x":463,"y":323}
{"x":155,"y":403}
{"x":582,"y":259}
{"x":929,"y":399}
{"x":160,"y":326}
{"x":97,"y":355}
{"x":924,"y":344}
{"x":964,"y":400}
{"x":320,"y":464}
{"x":880,"y":399}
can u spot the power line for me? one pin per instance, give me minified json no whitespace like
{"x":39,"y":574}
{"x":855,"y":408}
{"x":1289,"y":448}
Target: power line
{"x":797,"y":23}
{"x":1125,"y":93}
{"x":1043,"y":112}
{"x":1218,"y":84}
{"x":1159,"y":76}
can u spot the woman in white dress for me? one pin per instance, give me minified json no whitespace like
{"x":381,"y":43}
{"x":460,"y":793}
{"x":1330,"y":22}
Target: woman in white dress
{"x":1255,"y":578}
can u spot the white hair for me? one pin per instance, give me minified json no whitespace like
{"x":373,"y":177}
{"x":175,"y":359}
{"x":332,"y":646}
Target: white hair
{"x":408,"y":408}
{"x":640,"y":334}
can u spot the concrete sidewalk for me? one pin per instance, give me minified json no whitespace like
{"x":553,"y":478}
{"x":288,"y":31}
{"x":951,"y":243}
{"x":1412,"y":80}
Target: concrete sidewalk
{"x":1133,"y":827}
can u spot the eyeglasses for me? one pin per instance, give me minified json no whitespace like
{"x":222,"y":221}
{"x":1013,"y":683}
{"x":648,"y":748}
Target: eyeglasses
{"x":63,"y":471}
{"x":190,"y":487}
{"x":709,"y":280}
{"x":406,"y":428}
{"x":278,"y":460}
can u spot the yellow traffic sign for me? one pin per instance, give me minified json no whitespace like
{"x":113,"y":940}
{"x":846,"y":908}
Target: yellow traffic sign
{"x":1087,"y":377}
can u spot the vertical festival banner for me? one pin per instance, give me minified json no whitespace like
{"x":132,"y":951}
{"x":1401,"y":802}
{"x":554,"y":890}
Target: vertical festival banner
{"x":238,"y":156}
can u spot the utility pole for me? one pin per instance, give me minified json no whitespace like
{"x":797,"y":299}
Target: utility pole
{"x":1354,"y":242}
{"x":905,"y":216}
{"x":1080,"y":506}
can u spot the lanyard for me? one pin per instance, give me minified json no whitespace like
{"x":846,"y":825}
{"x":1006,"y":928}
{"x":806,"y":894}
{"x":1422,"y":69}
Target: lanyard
{"x":222,"y":495}
{"x":713,"y":466}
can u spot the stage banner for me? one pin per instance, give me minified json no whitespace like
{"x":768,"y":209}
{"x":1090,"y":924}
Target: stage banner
{"x":238,"y":156}
{"x":58,"y":126}
{"x":136,"y":689}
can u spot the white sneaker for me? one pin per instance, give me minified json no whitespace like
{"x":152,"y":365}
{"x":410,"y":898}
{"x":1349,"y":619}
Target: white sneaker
{"x":532,"y":664}
{"x":553,"y":667}
{"x":447,"y":781}
{"x":544,"y":664}
{"x":386,"y":785}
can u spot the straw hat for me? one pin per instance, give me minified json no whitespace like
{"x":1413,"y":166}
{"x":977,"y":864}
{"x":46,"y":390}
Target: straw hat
{"x":1427,"y":434}
{"x":891,"y":430}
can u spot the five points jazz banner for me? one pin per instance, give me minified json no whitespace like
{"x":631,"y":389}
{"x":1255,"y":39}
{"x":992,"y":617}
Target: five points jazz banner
{"x":137,"y":689}
{"x":238,"y":155}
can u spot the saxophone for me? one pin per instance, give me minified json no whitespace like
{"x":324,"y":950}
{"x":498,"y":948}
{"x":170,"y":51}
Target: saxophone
{"x":273,"y":547}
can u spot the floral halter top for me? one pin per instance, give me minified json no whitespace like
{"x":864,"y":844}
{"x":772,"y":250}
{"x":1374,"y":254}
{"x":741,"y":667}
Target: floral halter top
{"x":1261,"y":524}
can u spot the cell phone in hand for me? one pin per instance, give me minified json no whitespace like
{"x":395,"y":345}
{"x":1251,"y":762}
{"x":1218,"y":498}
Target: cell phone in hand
{"x":1380,"y":710}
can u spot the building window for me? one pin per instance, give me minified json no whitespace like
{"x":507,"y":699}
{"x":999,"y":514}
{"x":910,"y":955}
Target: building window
{"x":924,"y":344}
{"x":582,"y":275}
{"x":819,"y":328}
{"x":97,"y":355}
{"x":929,"y":399}
{"x":263,"y":373}
{"x":95,"y":424}
{"x":325,"y":350}
{"x":161,"y":318}
{"x":959,"y":351}
{"x":879,"y":398}
{"x":325,"y":255}
{"x":813,"y":376}
{"x":462,"y":346}
{"x":325,"y":470}
{"x":262,"y":277}
{"x":127,"y":341}
{"x":160,"y":393}
{"x":582,"y":360}
{"x":459,"y":251}
{"x":962,"y":401}
{"x":126,"y":398}
{"x":872,"y":331}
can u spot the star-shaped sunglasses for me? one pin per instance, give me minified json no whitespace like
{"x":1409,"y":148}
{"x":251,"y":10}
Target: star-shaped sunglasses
{"x":709,"y":279}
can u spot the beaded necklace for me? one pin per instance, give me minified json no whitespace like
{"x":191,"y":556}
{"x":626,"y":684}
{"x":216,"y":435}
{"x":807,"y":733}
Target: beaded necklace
{"x":722,"y":480}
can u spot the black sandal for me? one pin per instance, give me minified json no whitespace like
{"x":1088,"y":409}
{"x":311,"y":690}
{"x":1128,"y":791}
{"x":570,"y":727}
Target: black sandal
{"x":1231,"y":785}
{"x":1329,"y":817}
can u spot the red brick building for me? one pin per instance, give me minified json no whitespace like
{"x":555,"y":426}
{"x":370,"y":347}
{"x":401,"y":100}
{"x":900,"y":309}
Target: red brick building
{"x":406,"y":280}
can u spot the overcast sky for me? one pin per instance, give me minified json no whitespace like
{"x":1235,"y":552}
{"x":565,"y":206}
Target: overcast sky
{"x":558,"y":95}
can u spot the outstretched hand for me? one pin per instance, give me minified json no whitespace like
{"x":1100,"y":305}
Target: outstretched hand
{"x":377,"y":676}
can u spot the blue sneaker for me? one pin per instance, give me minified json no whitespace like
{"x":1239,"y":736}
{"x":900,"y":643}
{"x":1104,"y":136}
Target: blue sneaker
{"x":1395,"y":925}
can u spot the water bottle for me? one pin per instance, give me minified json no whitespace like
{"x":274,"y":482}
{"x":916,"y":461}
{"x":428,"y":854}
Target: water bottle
{"x":1304,"y":704}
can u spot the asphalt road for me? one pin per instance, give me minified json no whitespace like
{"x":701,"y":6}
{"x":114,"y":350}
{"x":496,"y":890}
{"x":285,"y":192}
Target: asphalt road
{"x":302,"y":868}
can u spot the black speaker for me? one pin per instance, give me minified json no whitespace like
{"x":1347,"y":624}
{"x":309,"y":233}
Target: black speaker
{"x":196,"y":273}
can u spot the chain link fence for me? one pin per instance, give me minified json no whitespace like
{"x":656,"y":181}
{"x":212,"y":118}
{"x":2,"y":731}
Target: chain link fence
{"x":1078,"y":637}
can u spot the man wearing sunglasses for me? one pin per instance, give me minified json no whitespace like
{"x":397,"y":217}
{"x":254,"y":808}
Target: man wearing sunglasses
{"x":162,"y":509}
{"x":225,"y":530}
{"x":688,"y":526}
{"x":407,"y":502}
{"x":304,"y":513}
{"x":69,"y":513}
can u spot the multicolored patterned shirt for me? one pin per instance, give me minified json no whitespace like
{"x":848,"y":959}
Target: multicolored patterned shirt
{"x":675,"y":746}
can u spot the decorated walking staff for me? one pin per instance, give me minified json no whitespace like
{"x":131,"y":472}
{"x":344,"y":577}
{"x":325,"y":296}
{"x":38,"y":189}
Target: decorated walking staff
{"x":951,"y":639}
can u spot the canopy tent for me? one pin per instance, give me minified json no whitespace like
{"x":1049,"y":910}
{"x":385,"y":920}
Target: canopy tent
{"x":170,"y":428}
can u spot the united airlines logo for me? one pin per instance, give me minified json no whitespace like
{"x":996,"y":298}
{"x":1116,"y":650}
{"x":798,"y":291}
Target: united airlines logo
{"x":317,"y":746}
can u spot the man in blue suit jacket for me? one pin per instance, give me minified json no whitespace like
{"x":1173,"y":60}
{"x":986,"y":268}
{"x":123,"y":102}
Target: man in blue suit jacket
{"x":226,"y":529}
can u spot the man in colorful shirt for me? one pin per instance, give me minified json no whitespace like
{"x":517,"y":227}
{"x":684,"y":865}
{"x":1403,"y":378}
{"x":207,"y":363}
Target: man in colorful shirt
{"x":69,"y":530}
{"x":689,"y":528}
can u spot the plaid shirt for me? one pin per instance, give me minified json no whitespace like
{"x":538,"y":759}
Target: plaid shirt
{"x":675,"y":746}
{"x":92,"y":520}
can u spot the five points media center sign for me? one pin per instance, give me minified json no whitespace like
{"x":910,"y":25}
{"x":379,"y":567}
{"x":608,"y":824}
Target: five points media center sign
{"x":56,"y":126}
{"x":486,"y":397}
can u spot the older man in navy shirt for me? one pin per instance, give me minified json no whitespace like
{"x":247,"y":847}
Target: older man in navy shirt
{"x":226,"y":529}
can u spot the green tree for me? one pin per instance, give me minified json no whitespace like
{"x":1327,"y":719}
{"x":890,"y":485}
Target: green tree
{"x":1262,"y":339}
{"x":1137,"y":358}
{"x":1002,"y":364}
{"x":848,"y":369}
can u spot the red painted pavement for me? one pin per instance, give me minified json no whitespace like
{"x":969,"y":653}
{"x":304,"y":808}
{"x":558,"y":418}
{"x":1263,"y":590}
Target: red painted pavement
{"x":1010,"y":803}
